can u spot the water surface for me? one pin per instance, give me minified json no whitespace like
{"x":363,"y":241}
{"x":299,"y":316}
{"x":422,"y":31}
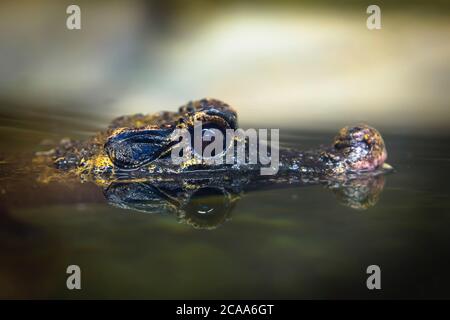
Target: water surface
{"x":294,"y":242}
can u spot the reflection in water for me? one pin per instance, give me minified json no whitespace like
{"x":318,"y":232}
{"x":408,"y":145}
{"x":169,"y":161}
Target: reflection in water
{"x":207,"y":203}
{"x":202,"y":203}
{"x":359,"y":194}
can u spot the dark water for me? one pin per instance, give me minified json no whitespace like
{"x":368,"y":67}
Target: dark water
{"x":295,"y":242}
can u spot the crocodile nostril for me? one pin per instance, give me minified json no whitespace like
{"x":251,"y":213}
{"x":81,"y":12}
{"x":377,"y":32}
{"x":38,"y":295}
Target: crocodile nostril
{"x":362,"y":146}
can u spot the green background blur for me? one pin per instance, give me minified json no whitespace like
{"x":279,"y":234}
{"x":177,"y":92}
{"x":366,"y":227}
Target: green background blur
{"x":300,"y":64}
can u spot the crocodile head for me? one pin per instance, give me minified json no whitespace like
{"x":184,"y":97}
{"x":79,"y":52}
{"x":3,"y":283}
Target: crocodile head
{"x":141,"y":145}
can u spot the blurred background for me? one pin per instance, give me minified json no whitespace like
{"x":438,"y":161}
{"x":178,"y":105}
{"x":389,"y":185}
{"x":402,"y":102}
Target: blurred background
{"x":296,"y":64}
{"x":306,"y":67}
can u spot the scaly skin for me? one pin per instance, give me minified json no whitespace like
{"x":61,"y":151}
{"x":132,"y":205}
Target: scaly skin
{"x":131,"y":161}
{"x":139,"y":146}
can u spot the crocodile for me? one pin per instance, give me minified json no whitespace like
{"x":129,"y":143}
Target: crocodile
{"x":132,"y":161}
{"x":140,"y":145}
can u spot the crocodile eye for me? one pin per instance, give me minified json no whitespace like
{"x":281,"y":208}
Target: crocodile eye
{"x":133,"y":148}
{"x":211,"y":133}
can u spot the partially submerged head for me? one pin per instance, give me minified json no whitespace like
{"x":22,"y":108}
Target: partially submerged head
{"x":361,"y":146}
{"x":133,"y":148}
